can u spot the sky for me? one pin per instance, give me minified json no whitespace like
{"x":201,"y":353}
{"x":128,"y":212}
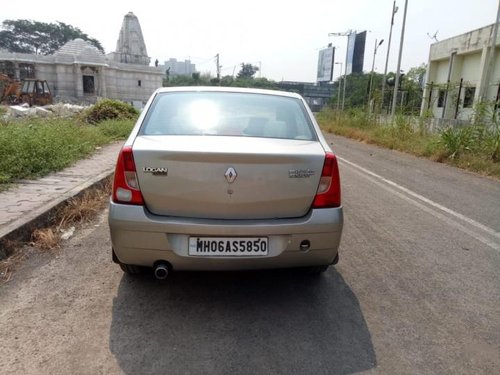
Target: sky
{"x":282,"y":37}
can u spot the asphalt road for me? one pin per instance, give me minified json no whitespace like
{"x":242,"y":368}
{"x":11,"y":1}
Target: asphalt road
{"x":417,"y":291}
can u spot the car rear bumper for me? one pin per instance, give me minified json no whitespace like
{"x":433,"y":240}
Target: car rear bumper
{"x":141,"y":238}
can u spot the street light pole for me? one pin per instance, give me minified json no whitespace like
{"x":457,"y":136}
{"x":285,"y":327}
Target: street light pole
{"x":340,"y":85}
{"x":347,"y":34}
{"x":394,"y":11}
{"x":398,"y":70}
{"x":345,"y":72}
{"x":373,"y":68}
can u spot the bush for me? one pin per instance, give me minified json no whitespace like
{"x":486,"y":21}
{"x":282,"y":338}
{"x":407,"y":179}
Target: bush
{"x":108,"y":109}
{"x":493,"y":143}
{"x":402,"y":127}
{"x":476,"y":139}
{"x":359,"y":118}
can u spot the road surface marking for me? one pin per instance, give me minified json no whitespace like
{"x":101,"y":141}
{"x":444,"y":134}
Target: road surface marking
{"x":383,"y":182}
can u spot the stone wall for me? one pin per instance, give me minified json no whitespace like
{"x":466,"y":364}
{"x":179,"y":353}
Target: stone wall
{"x":132,"y":85}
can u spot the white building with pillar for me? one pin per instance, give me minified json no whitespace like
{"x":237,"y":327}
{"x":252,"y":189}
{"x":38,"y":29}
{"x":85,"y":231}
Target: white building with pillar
{"x":462,"y":71}
{"x":79,"y":72}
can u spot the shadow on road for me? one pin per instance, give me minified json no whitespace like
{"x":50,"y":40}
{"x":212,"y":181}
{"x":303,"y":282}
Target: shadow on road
{"x":251,"y":322}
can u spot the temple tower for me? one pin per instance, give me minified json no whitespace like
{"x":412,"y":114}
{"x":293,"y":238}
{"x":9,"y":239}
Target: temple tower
{"x":130,"y":48}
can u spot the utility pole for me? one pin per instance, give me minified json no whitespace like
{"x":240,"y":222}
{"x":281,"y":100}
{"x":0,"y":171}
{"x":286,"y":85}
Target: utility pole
{"x":340,"y":85}
{"x":218,"y":67}
{"x":373,"y":68}
{"x":347,"y":34}
{"x":345,"y":83}
{"x":398,"y":70}
{"x":483,"y":95}
{"x":394,"y":11}
{"x":450,"y":69}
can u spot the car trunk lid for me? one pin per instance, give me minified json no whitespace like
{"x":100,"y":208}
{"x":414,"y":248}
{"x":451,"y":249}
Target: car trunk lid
{"x":227,"y":177}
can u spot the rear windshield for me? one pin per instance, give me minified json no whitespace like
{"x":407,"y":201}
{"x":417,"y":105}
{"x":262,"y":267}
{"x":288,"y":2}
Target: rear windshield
{"x":228,"y":114}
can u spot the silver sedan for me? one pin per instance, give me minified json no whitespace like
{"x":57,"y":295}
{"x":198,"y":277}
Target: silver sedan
{"x":225,"y":179}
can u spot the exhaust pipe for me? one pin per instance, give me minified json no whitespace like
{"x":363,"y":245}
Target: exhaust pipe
{"x":161,"y":271}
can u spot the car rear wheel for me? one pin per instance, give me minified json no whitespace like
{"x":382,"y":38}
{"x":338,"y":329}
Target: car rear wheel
{"x":318,"y":270}
{"x":130,"y":269}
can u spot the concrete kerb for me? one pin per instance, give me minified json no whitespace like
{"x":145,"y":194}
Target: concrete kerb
{"x":22,"y":228}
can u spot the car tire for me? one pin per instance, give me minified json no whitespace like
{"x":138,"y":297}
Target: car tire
{"x":317,"y":270}
{"x":336,"y":259}
{"x":130,"y":269}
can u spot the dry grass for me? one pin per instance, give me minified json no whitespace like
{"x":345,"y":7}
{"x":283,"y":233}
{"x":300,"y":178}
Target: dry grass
{"x":7,"y":266}
{"x":84,"y":208}
{"x":76,"y":212}
{"x":14,"y":257}
{"x":45,"y":239}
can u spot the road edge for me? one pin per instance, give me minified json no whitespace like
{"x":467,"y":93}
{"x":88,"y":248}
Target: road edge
{"x":20,"y":230}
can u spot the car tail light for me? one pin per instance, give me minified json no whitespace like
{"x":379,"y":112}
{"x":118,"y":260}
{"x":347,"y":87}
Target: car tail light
{"x":328,"y":193}
{"x":126,"y":186}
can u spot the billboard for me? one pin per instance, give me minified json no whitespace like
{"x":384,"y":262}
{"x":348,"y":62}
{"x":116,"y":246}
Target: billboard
{"x":355,"y":52}
{"x":325,"y":64}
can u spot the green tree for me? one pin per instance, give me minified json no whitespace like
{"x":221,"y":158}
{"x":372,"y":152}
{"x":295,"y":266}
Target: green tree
{"x":356,"y":91}
{"x":228,"y":81}
{"x":417,"y":74}
{"x":412,"y":86}
{"x":195,"y":79}
{"x":27,"y":36}
{"x":259,"y":83}
{"x":410,"y":90}
{"x":247,"y":71}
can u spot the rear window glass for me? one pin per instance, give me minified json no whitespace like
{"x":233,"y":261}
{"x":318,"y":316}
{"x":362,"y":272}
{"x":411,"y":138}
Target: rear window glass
{"x":228,"y":114}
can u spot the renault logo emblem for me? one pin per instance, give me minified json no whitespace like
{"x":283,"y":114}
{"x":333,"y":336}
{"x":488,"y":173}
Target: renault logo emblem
{"x":230,"y":175}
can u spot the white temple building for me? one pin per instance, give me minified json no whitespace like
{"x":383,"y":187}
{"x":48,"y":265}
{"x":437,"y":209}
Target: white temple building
{"x":79,"y":72}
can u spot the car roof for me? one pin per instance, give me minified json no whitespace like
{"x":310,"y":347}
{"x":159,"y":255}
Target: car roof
{"x":229,"y":89}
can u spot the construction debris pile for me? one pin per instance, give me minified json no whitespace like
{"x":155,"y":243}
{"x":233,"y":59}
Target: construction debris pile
{"x":51,"y":110}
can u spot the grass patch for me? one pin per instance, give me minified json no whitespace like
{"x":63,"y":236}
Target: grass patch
{"x":475,"y":148}
{"x":34,"y":147}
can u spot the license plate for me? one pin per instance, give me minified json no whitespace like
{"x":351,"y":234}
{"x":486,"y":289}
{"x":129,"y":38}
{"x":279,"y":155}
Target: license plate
{"x":228,"y":247}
